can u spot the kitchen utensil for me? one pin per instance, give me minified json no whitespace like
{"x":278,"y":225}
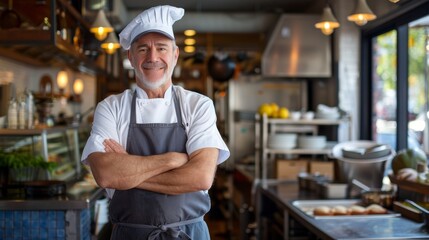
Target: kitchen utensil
{"x":423,"y":210}
{"x":360,"y":185}
{"x":221,"y":68}
{"x":10,"y":18}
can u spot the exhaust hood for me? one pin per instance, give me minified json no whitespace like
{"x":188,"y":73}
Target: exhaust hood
{"x":297,"y":49}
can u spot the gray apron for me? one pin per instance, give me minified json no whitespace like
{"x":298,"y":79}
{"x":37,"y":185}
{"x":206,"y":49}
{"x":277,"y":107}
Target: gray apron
{"x":142,"y":214}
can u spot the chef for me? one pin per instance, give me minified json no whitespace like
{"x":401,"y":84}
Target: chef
{"x":155,"y":149}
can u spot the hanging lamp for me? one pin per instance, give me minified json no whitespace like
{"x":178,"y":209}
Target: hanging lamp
{"x":101,"y":26}
{"x":111,"y":43}
{"x":362,"y":13}
{"x":328,"y":22}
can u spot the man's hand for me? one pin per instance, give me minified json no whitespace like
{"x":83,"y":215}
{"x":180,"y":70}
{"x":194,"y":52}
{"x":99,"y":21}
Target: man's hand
{"x":111,"y":146}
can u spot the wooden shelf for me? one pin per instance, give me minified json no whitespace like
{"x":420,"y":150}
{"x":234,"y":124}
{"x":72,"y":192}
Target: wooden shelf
{"x":33,"y":45}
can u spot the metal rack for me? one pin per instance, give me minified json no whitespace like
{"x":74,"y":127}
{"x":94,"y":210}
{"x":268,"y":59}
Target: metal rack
{"x":264,"y":156}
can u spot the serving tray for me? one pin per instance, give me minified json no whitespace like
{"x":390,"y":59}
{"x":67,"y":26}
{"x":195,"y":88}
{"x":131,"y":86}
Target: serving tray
{"x":307,"y":206}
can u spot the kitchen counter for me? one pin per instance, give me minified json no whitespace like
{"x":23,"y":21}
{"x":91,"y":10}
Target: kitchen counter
{"x":276,"y":197}
{"x":67,"y":201}
{"x":67,"y":216}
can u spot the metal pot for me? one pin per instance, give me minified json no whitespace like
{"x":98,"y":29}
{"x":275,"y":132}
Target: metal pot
{"x":369,"y":171}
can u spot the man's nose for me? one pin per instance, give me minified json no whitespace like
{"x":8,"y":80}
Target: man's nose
{"x":153,"y":56}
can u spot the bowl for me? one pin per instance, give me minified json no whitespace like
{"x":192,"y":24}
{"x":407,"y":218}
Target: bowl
{"x":366,"y":152}
{"x":308,"y":115}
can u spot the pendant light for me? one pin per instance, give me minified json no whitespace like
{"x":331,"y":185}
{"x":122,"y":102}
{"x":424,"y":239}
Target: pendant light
{"x":328,"y":22}
{"x":362,"y":13}
{"x":111,"y":43}
{"x":101,"y":26}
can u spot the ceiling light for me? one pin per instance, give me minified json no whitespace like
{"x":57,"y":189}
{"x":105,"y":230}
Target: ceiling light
{"x":394,"y":1}
{"x":189,"y":49}
{"x":101,"y":26}
{"x":190,"y":32}
{"x":190,"y":41}
{"x":328,"y":22}
{"x":111,"y":43}
{"x":362,"y":13}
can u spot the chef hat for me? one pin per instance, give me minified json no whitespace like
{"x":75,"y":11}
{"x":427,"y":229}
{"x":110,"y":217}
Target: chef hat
{"x":157,"y":19}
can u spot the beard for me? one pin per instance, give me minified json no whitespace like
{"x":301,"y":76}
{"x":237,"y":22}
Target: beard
{"x":154,"y":84}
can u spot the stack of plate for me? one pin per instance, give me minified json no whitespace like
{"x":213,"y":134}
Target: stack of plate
{"x":282,"y":140}
{"x":312,"y":142}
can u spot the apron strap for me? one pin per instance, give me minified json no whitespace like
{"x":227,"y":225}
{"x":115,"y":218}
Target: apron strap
{"x":177,"y":106}
{"x":171,"y":229}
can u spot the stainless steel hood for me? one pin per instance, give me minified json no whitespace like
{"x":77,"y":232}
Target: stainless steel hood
{"x":297,"y":49}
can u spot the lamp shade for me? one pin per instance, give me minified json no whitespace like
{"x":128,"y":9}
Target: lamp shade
{"x":111,"y":43}
{"x":78,"y":86}
{"x":101,"y":26}
{"x":62,"y":79}
{"x":362,"y":13}
{"x":328,"y":22}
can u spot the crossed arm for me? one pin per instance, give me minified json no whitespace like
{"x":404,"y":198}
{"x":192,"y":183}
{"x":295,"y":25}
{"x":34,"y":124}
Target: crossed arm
{"x":169,"y":173}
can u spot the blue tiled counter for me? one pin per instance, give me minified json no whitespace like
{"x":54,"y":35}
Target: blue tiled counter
{"x":66,"y":217}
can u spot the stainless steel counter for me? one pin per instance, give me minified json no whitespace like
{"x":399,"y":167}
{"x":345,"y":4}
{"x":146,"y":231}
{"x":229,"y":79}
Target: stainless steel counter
{"x":282,"y":195}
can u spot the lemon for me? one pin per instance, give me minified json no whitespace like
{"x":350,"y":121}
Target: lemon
{"x":274,"y":108}
{"x":283,"y":112}
{"x":265,"y":108}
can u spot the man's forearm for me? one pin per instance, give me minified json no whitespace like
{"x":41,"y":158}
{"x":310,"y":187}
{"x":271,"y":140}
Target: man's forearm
{"x":123,"y":171}
{"x":196,"y":175}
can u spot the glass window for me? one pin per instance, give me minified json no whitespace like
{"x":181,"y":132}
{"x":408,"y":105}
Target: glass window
{"x":384,"y":88}
{"x":418,"y":83}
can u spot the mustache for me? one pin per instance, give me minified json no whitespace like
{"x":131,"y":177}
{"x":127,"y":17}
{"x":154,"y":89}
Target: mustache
{"x":154,"y":65}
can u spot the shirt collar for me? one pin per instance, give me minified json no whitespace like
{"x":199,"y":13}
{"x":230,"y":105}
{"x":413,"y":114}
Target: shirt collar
{"x":143,"y":95}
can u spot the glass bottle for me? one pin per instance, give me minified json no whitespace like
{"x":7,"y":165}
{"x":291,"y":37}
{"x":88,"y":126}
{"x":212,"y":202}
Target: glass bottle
{"x":12,"y":115}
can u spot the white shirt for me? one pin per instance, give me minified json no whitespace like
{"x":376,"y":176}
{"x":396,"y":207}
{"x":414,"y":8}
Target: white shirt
{"x":112,"y":118}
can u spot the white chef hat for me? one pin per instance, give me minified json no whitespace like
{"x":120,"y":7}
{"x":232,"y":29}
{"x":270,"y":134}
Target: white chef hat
{"x":157,"y":19}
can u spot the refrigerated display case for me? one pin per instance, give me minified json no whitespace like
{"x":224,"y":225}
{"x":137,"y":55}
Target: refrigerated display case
{"x":62,"y":145}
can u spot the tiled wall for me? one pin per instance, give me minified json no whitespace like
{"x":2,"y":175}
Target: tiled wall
{"x":46,"y":225}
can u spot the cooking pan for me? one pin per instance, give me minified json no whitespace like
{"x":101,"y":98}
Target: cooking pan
{"x":221,"y":68}
{"x":10,"y":18}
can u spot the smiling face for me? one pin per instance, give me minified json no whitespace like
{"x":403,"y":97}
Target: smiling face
{"x":153,"y":57}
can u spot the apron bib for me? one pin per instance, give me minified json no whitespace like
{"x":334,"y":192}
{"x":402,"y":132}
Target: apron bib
{"x":142,"y":214}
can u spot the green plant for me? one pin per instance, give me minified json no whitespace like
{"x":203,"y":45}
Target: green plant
{"x":19,"y":160}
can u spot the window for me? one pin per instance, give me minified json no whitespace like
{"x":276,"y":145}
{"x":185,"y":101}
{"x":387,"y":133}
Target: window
{"x":395,"y":78}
